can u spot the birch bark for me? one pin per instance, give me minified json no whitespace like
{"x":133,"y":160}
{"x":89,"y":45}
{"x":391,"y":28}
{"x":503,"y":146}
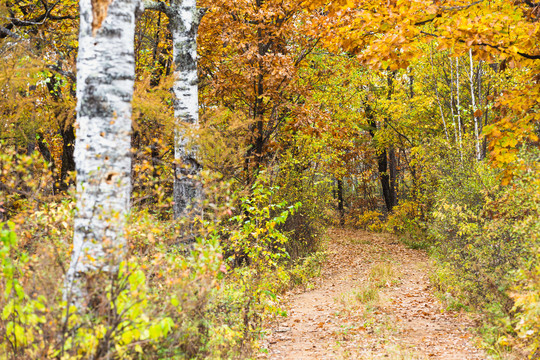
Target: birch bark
{"x":105,"y":79}
{"x":458,"y":108}
{"x":438,"y":98}
{"x":184,"y":21}
{"x":452,"y":101}
{"x":473,"y":100}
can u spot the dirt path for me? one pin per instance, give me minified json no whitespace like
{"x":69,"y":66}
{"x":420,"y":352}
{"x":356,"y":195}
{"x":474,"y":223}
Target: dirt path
{"x":373,"y":301}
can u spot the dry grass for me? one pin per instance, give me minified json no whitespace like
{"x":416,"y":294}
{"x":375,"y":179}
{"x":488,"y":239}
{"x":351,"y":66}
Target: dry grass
{"x":383,"y":274}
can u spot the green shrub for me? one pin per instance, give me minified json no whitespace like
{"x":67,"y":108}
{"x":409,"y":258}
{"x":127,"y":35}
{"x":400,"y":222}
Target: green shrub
{"x":301,"y":180}
{"x":487,"y":247}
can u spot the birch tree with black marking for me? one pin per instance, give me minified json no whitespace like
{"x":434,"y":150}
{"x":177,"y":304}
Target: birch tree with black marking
{"x":105,"y":81}
{"x":183,"y":24}
{"x":184,"y":19}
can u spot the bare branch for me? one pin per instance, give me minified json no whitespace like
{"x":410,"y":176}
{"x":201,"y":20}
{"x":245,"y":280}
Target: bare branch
{"x":496,"y":47}
{"x":5,"y":32}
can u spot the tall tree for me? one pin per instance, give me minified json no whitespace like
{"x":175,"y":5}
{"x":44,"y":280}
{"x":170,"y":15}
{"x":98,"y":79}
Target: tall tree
{"x":251,"y":55}
{"x":183,"y":24}
{"x":184,"y":19}
{"x":476,"y":114}
{"x":105,"y":80}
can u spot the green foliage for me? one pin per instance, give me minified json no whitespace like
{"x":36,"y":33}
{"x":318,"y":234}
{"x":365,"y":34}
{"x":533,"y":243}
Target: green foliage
{"x":21,"y":315}
{"x":526,"y":296}
{"x":487,"y":247}
{"x":166,"y":301}
{"x":478,"y":251}
{"x":304,"y":181}
{"x":24,"y":324}
{"x":254,"y":232}
{"x":304,"y":269}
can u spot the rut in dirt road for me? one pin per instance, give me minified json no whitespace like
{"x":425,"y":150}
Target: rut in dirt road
{"x":372,"y":301}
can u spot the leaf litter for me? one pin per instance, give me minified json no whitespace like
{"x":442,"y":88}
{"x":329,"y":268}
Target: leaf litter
{"x":372,"y":301}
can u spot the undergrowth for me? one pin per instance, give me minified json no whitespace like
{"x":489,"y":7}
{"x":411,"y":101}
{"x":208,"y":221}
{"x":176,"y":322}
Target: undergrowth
{"x":483,"y":238}
{"x":167,"y":299}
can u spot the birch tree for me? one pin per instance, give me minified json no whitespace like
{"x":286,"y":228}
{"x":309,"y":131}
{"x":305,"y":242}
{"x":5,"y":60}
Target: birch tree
{"x":451,"y":86}
{"x":458,"y":108}
{"x":474,"y":108}
{"x":438,"y":97}
{"x":105,"y":80}
{"x":184,"y":19}
{"x":183,"y":24}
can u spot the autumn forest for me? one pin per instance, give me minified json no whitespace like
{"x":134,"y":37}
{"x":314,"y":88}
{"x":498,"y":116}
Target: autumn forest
{"x":269,"y":179}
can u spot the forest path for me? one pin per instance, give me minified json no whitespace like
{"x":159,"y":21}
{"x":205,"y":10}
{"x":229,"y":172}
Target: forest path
{"x":372,"y":301}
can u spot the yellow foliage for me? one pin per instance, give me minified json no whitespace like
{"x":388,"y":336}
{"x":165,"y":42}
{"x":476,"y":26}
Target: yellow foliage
{"x":370,"y":220}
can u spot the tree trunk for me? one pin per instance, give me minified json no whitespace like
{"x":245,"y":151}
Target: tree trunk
{"x":44,"y":150}
{"x":105,"y":80}
{"x":392,"y":170}
{"x":382,"y":162}
{"x":473,"y":101}
{"x":452,"y":103}
{"x":438,"y":97}
{"x":458,"y":108}
{"x":68,"y":160}
{"x":385,"y":179}
{"x":479,"y":80}
{"x":341,"y":208}
{"x":184,"y":21}
{"x":389,"y":187}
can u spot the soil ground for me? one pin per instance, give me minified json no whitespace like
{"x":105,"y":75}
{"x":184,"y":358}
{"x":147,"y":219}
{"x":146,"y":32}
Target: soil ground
{"x":372,"y":301}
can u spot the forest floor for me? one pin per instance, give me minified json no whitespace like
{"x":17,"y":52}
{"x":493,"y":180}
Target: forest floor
{"x":372,"y":301}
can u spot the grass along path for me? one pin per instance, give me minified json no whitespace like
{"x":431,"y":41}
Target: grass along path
{"x":373,"y":301}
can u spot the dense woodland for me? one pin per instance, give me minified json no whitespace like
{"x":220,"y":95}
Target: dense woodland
{"x":167,"y":169}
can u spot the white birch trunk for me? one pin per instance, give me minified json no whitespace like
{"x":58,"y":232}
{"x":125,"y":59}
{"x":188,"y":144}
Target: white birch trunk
{"x":105,"y":80}
{"x":183,"y":24}
{"x":458,"y":108}
{"x":473,"y":101}
{"x":438,"y":97}
{"x":480,"y":100}
{"x":452,"y":101}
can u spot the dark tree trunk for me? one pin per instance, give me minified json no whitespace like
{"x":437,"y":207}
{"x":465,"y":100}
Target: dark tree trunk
{"x":30,"y":148}
{"x":392,"y":168}
{"x":46,"y":153}
{"x":385,"y":179}
{"x":154,"y":152}
{"x":259,"y":144}
{"x":44,"y":150}
{"x":382,"y":162}
{"x":68,"y":161}
{"x":340,"y":202}
{"x":411,"y":83}
{"x":258,"y":113}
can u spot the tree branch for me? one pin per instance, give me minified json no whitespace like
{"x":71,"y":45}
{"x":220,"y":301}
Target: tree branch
{"x":71,"y":76}
{"x":496,"y":47}
{"x":531,"y":4}
{"x":451,"y":8}
{"x":5,"y":32}
{"x":157,"y":6}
